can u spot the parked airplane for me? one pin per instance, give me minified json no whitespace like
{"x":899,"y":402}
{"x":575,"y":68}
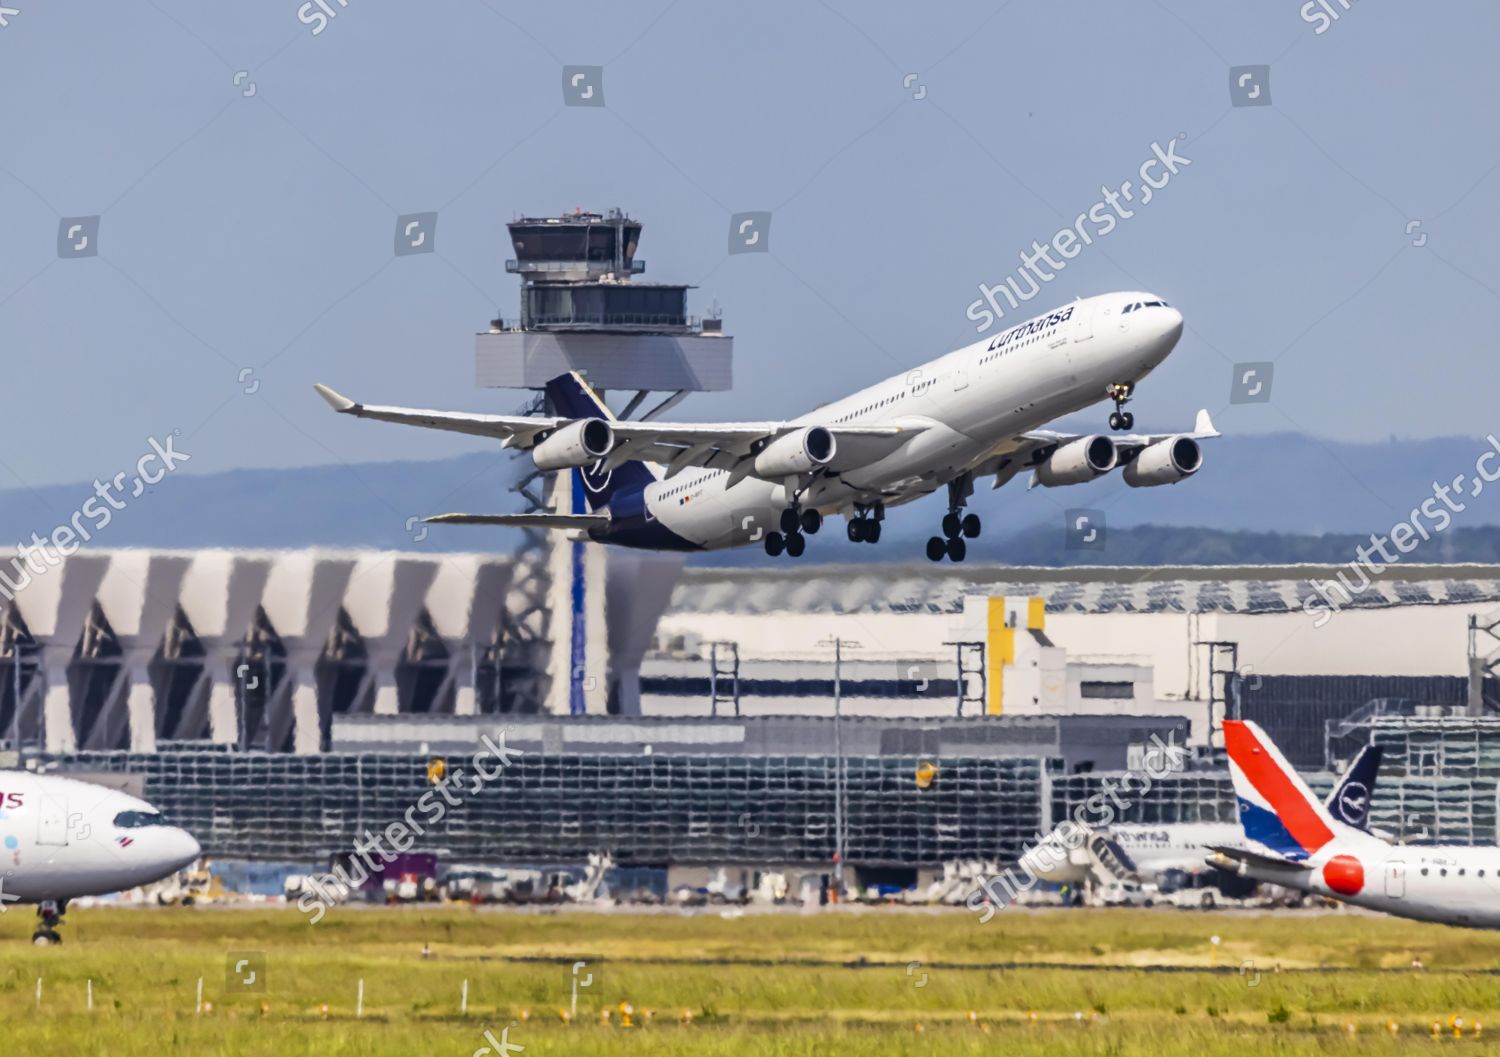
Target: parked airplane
{"x":61,"y":839}
{"x":973,"y":413}
{"x":1294,"y":841}
{"x":1132,"y":851}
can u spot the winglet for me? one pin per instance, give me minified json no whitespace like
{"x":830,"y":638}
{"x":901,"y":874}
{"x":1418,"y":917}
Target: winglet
{"x":337,"y":401}
{"x":1204,"y":427}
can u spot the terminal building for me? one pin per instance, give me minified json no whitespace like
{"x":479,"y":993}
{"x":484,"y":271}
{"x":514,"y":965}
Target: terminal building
{"x":280,"y":704}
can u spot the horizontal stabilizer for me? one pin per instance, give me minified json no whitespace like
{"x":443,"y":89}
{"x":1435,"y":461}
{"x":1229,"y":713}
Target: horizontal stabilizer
{"x":548,"y":521}
{"x":1250,"y":858}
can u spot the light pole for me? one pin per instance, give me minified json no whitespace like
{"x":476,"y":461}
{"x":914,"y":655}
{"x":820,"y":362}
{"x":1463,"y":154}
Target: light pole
{"x":839,"y":785}
{"x":15,"y":656}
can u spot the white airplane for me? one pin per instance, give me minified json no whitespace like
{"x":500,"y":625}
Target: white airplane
{"x":973,"y":413}
{"x":1294,"y":841}
{"x":1143,"y":851}
{"x":61,"y":839}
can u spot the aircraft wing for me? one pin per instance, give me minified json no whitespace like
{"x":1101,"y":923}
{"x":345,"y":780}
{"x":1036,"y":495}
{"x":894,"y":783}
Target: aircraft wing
{"x":730,"y":445}
{"x":1025,"y":450}
{"x":1203,"y":428}
{"x":714,"y":445}
{"x":512,"y":430}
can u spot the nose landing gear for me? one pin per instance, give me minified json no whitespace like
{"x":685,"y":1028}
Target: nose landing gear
{"x":50,"y":912}
{"x":1120,"y":393}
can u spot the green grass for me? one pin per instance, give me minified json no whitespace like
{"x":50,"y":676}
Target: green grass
{"x":865,"y":982}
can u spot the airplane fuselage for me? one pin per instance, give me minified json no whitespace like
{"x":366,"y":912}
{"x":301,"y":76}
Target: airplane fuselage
{"x":965,"y":403}
{"x":1447,"y":884}
{"x":1152,"y":849}
{"x":61,"y":839}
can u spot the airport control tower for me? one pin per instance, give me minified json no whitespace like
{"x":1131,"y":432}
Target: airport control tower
{"x":586,"y":614}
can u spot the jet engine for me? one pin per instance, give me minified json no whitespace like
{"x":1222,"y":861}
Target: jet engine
{"x":1078,"y":461}
{"x":1165,"y":462}
{"x":579,"y":443}
{"x":796,"y":453}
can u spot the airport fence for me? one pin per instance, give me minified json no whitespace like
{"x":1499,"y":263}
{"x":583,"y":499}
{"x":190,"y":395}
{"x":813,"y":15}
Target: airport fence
{"x":643,"y":809}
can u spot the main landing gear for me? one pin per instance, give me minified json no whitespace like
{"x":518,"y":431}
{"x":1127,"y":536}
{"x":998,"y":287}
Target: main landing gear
{"x":796,"y":525}
{"x":1120,"y":393}
{"x":51,"y":913}
{"x":957,"y":526}
{"x":865,"y":526}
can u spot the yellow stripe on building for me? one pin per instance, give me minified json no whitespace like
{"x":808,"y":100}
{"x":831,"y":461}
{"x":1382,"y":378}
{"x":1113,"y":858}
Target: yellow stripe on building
{"x":999,"y":650}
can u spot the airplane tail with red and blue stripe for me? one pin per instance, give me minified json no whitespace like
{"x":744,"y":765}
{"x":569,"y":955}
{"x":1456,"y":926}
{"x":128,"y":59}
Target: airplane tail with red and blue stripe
{"x":1277,"y":809}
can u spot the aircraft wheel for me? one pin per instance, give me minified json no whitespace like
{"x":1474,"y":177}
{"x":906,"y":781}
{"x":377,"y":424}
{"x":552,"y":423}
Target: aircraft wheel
{"x":789,"y":521}
{"x":957,"y":549}
{"x":952,"y":525}
{"x":1127,"y":420}
{"x":857,"y":531}
{"x":775,"y":543}
{"x":811,"y":522}
{"x":937,"y":548}
{"x":1207,"y":902}
{"x":971,"y":526}
{"x":796,"y":544}
{"x":1115,"y":421}
{"x":45,"y":938}
{"x":872,"y":532}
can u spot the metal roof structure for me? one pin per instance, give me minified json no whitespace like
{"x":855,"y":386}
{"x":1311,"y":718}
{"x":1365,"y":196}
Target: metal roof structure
{"x":903,"y":588}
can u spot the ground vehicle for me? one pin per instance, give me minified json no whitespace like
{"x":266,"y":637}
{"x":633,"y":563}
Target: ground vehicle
{"x":1127,"y":894}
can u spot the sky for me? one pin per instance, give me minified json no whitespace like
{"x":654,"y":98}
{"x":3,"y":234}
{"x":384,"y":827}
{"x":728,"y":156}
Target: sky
{"x":247,"y":175}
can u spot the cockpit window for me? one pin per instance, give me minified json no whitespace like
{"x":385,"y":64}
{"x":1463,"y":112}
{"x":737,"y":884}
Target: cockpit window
{"x":139,"y":819}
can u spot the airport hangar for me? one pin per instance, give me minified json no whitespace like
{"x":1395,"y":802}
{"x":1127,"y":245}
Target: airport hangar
{"x":280,"y":704}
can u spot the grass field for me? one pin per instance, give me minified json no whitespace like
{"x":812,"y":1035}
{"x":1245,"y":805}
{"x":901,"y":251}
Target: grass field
{"x":877,"y":981}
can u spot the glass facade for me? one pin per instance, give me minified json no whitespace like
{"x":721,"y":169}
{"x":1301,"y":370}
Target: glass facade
{"x":604,"y":305}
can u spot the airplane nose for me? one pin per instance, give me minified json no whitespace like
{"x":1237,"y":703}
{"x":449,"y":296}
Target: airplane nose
{"x":1158,"y":330}
{"x":183,"y":849}
{"x":1170,"y":325}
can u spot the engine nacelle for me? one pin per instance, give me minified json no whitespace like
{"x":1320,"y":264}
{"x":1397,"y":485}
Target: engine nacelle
{"x":1165,"y":462}
{"x":796,"y":453}
{"x":580,"y":443}
{"x":1078,"y":461}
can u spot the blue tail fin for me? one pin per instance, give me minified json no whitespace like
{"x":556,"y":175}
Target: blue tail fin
{"x":1350,"y":801}
{"x":570,"y":396}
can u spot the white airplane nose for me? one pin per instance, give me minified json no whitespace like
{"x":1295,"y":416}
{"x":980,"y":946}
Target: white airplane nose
{"x":1171,"y":324}
{"x":1159,"y":329}
{"x":183,"y":848}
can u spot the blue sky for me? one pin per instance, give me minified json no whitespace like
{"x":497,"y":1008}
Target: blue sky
{"x":254,"y":231}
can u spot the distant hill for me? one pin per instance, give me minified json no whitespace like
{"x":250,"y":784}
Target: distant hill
{"x":1275,"y":498}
